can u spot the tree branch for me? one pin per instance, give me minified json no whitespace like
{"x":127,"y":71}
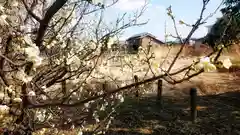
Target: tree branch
{"x":31,"y":12}
{"x":55,"y":7}
{"x":195,"y":27}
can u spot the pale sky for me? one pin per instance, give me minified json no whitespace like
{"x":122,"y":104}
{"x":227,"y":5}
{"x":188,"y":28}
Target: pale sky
{"x":186,"y":10}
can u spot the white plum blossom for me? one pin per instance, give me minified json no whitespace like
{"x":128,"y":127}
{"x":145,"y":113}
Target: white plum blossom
{"x":123,"y":84}
{"x":110,"y":42}
{"x":97,"y":120}
{"x":42,"y":131}
{"x":74,"y":60}
{"x":37,"y":62}
{"x":2,"y":8}
{"x":23,"y":77}
{"x":44,"y":87}
{"x":50,"y":116}
{"x":15,"y":3}
{"x":205,"y":60}
{"x":40,"y":115}
{"x":32,"y":52}
{"x":44,"y":97}
{"x":3,"y":20}
{"x":102,"y":108}
{"x":206,"y":65}
{"x":127,"y":58}
{"x":192,"y":42}
{"x":2,"y":95}
{"x":109,"y":122}
{"x":17,"y":100}
{"x":31,"y":94}
{"x":80,"y":132}
{"x":120,"y":97}
{"x":86,"y":105}
{"x":33,"y":55}
{"x":10,"y":88}
{"x":28,"y":40}
{"x":4,"y":109}
{"x":6,"y":99}
{"x":74,"y":93}
{"x":16,"y":110}
{"x":227,"y":63}
{"x":73,"y":126}
{"x":210,"y":67}
{"x":25,"y":28}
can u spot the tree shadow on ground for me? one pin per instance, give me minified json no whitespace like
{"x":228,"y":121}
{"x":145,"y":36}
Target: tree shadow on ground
{"x":217,"y":114}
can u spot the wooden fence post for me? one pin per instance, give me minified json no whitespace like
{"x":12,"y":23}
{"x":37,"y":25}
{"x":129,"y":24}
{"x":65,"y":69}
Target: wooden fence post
{"x":104,"y":86}
{"x":136,"y":87}
{"x":193,"y":103}
{"x":159,"y":92}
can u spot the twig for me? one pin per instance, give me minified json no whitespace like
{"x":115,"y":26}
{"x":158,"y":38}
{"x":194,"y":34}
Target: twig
{"x":215,"y":11}
{"x":55,"y":7}
{"x":195,"y":27}
{"x":31,"y":12}
{"x":10,"y":61}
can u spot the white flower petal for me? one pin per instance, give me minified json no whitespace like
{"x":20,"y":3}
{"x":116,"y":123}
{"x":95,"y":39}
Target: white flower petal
{"x":17,"y":100}
{"x":4,"y":109}
{"x":44,"y":97}
{"x":28,"y":40}
{"x":205,"y":60}
{"x":227,"y":63}
{"x":209,"y":67}
{"x":3,"y":20}
{"x":31,"y":94}
{"x":2,"y":95}
{"x":15,"y":3}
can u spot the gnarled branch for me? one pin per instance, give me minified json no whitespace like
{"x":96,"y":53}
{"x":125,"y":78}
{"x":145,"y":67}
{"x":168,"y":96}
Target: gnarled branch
{"x":53,"y":9}
{"x":31,"y":12}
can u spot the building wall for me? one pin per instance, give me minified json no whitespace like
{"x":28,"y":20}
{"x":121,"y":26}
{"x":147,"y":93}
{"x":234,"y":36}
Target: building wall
{"x":133,"y":45}
{"x":146,"y":41}
{"x":197,"y":50}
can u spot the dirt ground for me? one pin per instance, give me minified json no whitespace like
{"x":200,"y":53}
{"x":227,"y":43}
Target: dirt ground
{"x":218,"y":106}
{"x":218,"y":109}
{"x":217,"y":115}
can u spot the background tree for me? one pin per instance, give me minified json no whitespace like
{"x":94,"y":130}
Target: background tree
{"x":229,"y":22}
